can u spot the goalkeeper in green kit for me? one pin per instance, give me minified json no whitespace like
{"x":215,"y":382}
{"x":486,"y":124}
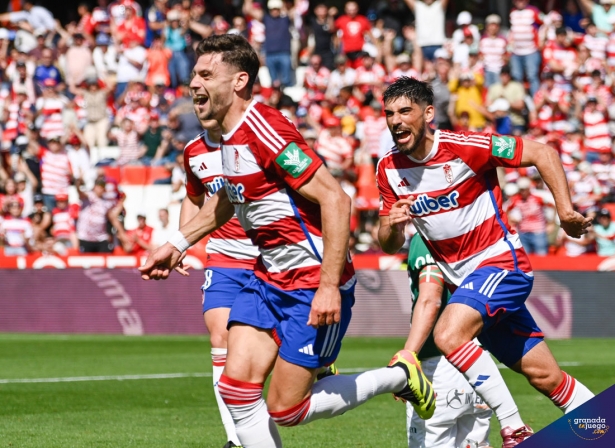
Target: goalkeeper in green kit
{"x":461,"y":418}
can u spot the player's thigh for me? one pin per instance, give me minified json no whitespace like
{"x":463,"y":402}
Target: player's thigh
{"x":251,"y":353}
{"x":458,"y":324}
{"x":540,"y":368}
{"x":290,"y":385}
{"x":216,"y":320}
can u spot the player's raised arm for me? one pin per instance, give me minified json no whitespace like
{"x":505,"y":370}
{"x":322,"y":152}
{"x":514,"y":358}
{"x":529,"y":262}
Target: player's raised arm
{"x":324,"y":190}
{"x":549,"y":165}
{"x":215,"y":213}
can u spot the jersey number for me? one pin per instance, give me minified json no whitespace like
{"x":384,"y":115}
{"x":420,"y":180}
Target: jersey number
{"x":208,"y":274}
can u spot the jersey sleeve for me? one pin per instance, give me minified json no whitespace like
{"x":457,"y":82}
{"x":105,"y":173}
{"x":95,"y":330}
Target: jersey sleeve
{"x":387,"y":195}
{"x":282,"y":149}
{"x":483,"y":152}
{"x":194,"y":187}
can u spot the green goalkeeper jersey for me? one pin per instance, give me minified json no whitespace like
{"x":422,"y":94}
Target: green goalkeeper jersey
{"x":423,"y":268}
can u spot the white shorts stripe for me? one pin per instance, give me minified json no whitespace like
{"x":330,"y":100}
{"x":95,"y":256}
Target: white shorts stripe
{"x":485,"y":285}
{"x":496,"y":282}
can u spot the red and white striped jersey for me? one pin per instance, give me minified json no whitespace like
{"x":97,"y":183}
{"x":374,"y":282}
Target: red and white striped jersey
{"x":458,"y":205}
{"x":316,"y":81}
{"x":523,"y":33}
{"x":493,"y":50}
{"x":586,"y":68}
{"x":265,"y":160}
{"x":56,"y":171}
{"x":373,"y":127}
{"x":596,"y":45}
{"x":229,"y":246}
{"x":51,"y":110}
{"x":16,"y":123}
{"x":365,"y":78}
{"x":335,"y":150}
{"x":597,"y":137}
{"x":531,"y":211}
{"x":63,"y":224}
{"x":567,"y":147}
{"x":16,"y":231}
{"x":565,"y":56}
{"x":610,"y":51}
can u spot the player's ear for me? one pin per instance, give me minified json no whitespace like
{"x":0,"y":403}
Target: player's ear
{"x":429,"y":113}
{"x":241,"y":81}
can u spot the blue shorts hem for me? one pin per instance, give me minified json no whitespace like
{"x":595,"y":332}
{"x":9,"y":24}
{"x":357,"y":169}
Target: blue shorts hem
{"x":304,"y":362}
{"x":216,"y":306}
{"x":251,"y":323}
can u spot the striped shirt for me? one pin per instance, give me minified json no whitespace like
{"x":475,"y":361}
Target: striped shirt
{"x":63,"y":224}
{"x":493,"y":50}
{"x":51,"y":111}
{"x":128,"y":143}
{"x":17,"y":231}
{"x":335,"y":150}
{"x":229,"y":246}
{"x":458,"y":207}
{"x":523,"y":33}
{"x":596,"y":46}
{"x":56,"y":171}
{"x":597,"y":137}
{"x":265,"y":160}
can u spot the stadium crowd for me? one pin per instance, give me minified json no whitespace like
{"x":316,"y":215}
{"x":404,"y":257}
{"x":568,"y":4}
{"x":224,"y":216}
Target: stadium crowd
{"x":118,"y":75}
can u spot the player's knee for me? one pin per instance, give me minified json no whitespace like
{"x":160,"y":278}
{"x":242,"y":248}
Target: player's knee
{"x":288,"y":416}
{"x":545,"y":381}
{"x":445,"y":339}
{"x":218,"y":339}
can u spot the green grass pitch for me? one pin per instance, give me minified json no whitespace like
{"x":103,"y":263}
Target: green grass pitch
{"x":181,"y":412}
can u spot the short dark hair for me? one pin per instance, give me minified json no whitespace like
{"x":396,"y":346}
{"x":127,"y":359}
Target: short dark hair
{"x":411,"y":88}
{"x":235,"y":51}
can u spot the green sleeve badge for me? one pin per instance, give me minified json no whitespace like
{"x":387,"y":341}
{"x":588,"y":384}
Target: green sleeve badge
{"x":503,"y":146}
{"x":293,"y":160}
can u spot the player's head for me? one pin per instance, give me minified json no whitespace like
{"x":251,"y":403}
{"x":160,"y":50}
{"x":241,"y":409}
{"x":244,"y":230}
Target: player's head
{"x":408,"y":107}
{"x":226,"y":68}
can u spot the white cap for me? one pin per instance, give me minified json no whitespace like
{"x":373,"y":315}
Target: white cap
{"x":403,"y":58}
{"x":493,"y":18}
{"x":274,"y":4}
{"x":4,"y":33}
{"x":464,"y":18}
{"x":173,"y":15}
{"x":523,"y":183}
{"x":501,"y":104}
{"x":511,"y":189}
{"x":441,"y":53}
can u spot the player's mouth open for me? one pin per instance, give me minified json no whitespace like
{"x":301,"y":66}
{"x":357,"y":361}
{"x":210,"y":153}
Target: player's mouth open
{"x":403,"y":136}
{"x":200,"y":100}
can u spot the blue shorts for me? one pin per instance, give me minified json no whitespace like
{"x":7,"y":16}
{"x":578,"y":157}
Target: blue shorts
{"x":286,"y":313}
{"x":222,"y":286}
{"x":509,"y":330}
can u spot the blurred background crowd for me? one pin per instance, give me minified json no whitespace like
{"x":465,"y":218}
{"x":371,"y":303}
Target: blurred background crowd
{"x":97,"y":97}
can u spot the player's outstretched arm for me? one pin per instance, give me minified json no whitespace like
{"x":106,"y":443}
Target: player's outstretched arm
{"x":391,"y":234}
{"x":549,"y":165}
{"x":425,"y":313}
{"x":216,"y":212}
{"x":334,"y":203}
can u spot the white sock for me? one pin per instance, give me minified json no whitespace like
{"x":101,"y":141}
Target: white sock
{"x":253,"y":423}
{"x":570,"y":394}
{"x":218,"y":358}
{"x":484,"y":376}
{"x":337,"y":394}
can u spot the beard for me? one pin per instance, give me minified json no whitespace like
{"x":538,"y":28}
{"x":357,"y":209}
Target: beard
{"x":410,"y":148}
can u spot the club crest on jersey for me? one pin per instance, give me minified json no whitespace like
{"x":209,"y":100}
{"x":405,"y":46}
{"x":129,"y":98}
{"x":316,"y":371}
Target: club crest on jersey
{"x":293,"y":160}
{"x":236,"y":160}
{"x":424,"y":205}
{"x":448,"y":173}
{"x":503,"y":146}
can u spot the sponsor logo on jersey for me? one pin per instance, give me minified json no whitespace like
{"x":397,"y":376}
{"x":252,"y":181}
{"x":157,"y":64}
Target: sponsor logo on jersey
{"x":424,"y":205}
{"x":503,"y":147}
{"x":235,"y":192}
{"x":293,"y":160}
{"x":448,"y":173}
{"x":215,"y":184}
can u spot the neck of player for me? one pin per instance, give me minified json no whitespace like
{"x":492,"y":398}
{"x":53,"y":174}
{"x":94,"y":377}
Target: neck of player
{"x":425,"y":146}
{"x":235,"y":113}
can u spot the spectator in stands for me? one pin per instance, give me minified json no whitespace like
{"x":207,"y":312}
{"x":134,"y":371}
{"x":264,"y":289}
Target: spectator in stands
{"x":182,"y":117}
{"x":277,"y":39}
{"x":441,"y":92}
{"x":15,"y":231}
{"x":341,"y":77}
{"x":159,"y":62}
{"x":585,"y":189}
{"x":464,"y":22}
{"x":513,"y":92}
{"x":25,"y":184}
{"x":97,"y":118}
{"x":46,"y":70}
{"x":332,"y":146}
{"x":78,"y":61}
{"x":40,"y":219}
{"x":92,"y":224}
{"x":56,"y":171}
{"x":321,"y":34}
{"x":104,"y":57}
{"x":63,"y":223}
{"x":523,"y":37}
{"x":174,"y":40}
{"x":152,"y":140}
{"x":164,"y":231}
{"x":155,"y":21}
{"x":467,"y":98}
{"x":526,"y":212}
{"x":353,"y":28}
{"x":316,"y":79}
{"x":603,"y":232}
{"x":429,"y":21}
{"x":492,"y":48}
{"x":140,"y":238}
{"x":131,"y":62}
{"x":128,"y":142}
{"x":31,"y":18}
{"x":601,"y":12}
{"x":131,"y":28}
